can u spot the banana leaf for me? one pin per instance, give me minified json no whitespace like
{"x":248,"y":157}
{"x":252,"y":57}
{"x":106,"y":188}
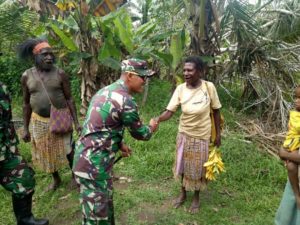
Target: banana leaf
{"x":66,"y":40}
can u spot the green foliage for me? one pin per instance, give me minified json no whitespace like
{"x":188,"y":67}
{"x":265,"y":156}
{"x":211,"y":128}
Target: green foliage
{"x":177,"y":48}
{"x":286,"y":25}
{"x":145,"y":29}
{"x":242,"y":26}
{"x":16,"y":25}
{"x":66,"y":40}
{"x":110,"y":53}
{"x":71,"y":70}
{"x":11,"y":70}
{"x":123,"y":25}
{"x":121,"y":39}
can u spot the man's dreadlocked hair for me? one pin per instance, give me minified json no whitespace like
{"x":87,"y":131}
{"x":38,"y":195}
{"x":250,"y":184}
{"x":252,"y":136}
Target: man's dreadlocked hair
{"x":25,"y":49}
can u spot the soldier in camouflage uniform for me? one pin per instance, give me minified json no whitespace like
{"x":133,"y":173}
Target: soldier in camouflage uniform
{"x":15,"y":175}
{"x":111,"y":109}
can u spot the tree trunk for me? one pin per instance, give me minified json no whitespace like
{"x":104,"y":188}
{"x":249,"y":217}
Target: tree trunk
{"x":89,"y":66}
{"x":88,"y":81}
{"x":203,"y":36}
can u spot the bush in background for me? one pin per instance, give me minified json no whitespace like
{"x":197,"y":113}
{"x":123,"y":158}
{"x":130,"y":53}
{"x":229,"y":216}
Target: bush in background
{"x":11,"y":70}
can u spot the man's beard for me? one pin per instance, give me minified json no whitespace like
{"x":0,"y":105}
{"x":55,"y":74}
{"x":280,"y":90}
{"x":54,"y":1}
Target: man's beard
{"x":42,"y":65}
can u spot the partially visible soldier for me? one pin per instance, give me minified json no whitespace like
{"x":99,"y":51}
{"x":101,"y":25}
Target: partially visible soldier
{"x":15,"y":175}
{"x":111,"y":110}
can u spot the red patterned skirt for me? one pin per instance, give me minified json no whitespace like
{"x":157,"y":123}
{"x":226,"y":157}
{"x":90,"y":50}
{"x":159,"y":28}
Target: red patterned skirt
{"x":191,"y":155}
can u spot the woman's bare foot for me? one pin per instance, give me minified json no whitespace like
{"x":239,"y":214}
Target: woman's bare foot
{"x":180,"y":200}
{"x":194,"y":208}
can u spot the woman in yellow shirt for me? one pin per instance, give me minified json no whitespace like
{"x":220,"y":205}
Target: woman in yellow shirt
{"x":196,"y":96}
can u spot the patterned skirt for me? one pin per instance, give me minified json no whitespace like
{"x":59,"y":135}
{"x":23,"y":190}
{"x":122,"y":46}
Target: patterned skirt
{"x":191,"y":155}
{"x":49,"y":152}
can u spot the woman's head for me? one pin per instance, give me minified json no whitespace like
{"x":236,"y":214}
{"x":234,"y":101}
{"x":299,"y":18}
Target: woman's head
{"x":198,"y":63}
{"x":193,"y":69}
{"x":297,"y":98}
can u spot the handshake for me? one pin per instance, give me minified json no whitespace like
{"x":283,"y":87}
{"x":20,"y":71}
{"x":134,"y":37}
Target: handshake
{"x":125,"y":150}
{"x":153,"y":124}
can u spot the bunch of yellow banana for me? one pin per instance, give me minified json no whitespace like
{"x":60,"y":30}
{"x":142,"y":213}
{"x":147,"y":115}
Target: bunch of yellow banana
{"x":65,"y":5}
{"x":214,"y":164}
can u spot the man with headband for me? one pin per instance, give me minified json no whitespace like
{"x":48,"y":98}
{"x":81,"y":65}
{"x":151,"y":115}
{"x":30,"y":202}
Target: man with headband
{"x":15,"y":175}
{"x":43,"y":85}
{"x":111,"y":110}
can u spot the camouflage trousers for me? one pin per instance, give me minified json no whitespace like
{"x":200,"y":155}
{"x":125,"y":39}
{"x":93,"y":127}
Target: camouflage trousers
{"x":96,"y":200}
{"x":16,"y":176}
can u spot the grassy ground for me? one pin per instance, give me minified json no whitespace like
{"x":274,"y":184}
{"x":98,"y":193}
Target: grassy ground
{"x":248,"y":193}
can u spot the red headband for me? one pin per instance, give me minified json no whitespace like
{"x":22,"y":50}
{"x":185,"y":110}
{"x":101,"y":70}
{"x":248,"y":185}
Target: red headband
{"x":40,"y":46}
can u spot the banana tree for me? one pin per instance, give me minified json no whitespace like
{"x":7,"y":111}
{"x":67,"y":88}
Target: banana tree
{"x":168,"y":17}
{"x":147,"y":41}
{"x":88,"y":37}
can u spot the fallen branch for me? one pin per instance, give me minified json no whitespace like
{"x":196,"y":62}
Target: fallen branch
{"x":254,"y":132}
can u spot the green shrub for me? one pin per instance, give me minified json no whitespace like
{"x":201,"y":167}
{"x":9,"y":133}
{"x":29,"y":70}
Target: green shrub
{"x":11,"y":70}
{"x":72,"y":69}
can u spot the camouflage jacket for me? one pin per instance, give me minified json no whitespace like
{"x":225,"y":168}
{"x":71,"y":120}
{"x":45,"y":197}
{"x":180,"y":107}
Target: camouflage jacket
{"x":111,"y":109}
{"x":8,"y":137}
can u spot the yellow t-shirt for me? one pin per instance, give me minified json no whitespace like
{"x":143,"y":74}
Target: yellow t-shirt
{"x":292,"y":139}
{"x":195,"y":105}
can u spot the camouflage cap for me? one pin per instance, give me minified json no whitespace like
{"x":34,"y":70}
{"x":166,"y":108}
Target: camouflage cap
{"x":136,"y":65}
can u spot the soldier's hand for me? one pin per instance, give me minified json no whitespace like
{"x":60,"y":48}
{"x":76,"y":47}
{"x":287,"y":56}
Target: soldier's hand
{"x":26,"y":136}
{"x":153,"y":124}
{"x":125,"y":150}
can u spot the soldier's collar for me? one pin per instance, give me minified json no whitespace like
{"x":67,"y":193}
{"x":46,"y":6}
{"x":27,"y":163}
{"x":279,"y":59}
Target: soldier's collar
{"x":122,"y":83}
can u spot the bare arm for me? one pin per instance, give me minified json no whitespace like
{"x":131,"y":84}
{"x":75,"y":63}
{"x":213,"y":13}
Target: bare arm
{"x":291,"y":156}
{"x":216,"y":114}
{"x":69,"y":99}
{"x":165,"y":116}
{"x":27,"y":110}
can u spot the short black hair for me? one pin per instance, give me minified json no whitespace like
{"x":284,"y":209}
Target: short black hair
{"x":199,"y":64}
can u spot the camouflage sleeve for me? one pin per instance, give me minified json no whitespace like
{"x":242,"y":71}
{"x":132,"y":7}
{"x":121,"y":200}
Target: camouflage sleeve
{"x":8,"y":136}
{"x":131,"y":119}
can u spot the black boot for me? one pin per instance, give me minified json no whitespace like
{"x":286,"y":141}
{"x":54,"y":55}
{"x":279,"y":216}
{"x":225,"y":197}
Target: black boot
{"x":22,"y":210}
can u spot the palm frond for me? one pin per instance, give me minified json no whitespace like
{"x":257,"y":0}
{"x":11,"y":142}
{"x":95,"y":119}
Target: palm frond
{"x":16,"y":25}
{"x":286,"y":26}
